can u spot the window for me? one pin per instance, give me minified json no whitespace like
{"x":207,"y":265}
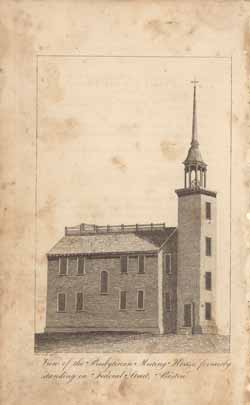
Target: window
{"x":208,"y":246}
{"x":104,"y":282}
{"x":168,"y":302}
{"x":208,"y":280}
{"x":79,"y":301}
{"x":63,"y":266}
{"x":208,"y":211}
{"x":81,"y":266}
{"x":141,"y":264}
{"x":124,"y":264}
{"x":208,"y":311}
{"x":123,"y":299}
{"x":168,"y":263}
{"x":140,"y":299}
{"x":61,"y":302}
{"x":187,"y":315}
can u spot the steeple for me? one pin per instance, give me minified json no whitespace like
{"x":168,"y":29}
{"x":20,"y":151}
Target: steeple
{"x":194,"y":126}
{"x":195,"y":167}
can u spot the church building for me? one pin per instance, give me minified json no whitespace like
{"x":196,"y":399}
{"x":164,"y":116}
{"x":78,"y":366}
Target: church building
{"x":142,"y":277}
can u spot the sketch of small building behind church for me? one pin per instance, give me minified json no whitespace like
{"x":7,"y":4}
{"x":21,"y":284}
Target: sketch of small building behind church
{"x":140,"y":278}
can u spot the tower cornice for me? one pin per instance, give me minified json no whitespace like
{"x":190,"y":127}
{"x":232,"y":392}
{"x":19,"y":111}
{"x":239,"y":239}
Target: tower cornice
{"x":182,"y":192}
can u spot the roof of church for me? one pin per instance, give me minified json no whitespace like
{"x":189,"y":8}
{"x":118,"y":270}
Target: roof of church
{"x":117,"y":239}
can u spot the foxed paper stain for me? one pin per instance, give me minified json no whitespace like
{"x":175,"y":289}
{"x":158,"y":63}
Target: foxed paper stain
{"x":59,"y":130}
{"x":51,"y":85}
{"x":170,"y":150}
{"x":119,"y":163}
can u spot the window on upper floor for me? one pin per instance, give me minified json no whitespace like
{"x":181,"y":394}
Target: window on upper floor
{"x":168,"y":263}
{"x":208,"y":280}
{"x":141,"y":266}
{"x":104,"y":282}
{"x":63,"y":266}
{"x":79,"y":301}
{"x":208,"y":246}
{"x":208,"y":311}
{"x":140,"y":299}
{"x":61,"y":302}
{"x":81,"y":266}
{"x":124,"y":264}
{"x":123,"y":300}
{"x":208,"y":211}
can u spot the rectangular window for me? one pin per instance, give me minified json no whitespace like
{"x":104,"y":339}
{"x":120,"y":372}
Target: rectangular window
{"x":140,"y":299}
{"x":61,"y":302}
{"x":104,"y":282}
{"x":81,"y":266}
{"x":208,"y":280}
{"x":79,"y":301}
{"x":208,"y":311}
{"x":187,"y":315}
{"x":63,"y":266}
{"x":208,"y":246}
{"x":123,"y":299}
{"x":141,"y":264}
{"x":168,"y":302}
{"x":208,"y":211}
{"x":124,"y":264}
{"x":168,"y":263}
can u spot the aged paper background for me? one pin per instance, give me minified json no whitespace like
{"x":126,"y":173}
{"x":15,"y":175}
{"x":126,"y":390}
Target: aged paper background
{"x":190,"y":29}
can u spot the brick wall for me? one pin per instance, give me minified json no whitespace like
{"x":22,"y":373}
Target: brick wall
{"x":101,"y":312}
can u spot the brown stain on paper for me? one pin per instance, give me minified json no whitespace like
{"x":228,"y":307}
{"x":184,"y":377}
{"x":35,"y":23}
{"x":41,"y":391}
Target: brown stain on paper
{"x":118,"y":163}
{"x":170,"y":150}
{"x":50,"y":84}
{"x":59,"y":130}
{"x":157,"y":27}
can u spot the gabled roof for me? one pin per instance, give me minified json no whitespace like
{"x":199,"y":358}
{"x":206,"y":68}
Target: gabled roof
{"x":122,"y":242}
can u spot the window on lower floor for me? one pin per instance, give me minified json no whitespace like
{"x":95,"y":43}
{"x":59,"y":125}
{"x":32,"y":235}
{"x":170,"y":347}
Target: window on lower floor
{"x":104,"y":282}
{"x":140,"y":299}
{"x":168,"y":302}
{"x":168,"y":263}
{"x":61,"y":302}
{"x":208,"y":280}
{"x":63,"y":266}
{"x":81,"y":266}
{"x":123,"y":299}
{"x":208,"y":311}
{"x":187,"y":315}
{"x":79,"y":301}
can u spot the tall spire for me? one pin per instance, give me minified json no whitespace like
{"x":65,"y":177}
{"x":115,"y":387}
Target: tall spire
{"x":195,"y":167}
{"x":194,"y":124}
{"x":194,"y":154}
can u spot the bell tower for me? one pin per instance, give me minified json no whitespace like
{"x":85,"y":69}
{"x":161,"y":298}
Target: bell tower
{"x":196,"y":273}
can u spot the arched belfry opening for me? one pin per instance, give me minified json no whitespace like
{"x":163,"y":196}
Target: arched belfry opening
{"x":195,"y":172}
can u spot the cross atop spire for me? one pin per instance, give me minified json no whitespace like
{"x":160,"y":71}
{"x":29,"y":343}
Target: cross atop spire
{"x":194,"y":82}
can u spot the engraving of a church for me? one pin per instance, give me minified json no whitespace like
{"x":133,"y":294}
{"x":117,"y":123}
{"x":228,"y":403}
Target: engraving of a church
{"x":143,"y":277}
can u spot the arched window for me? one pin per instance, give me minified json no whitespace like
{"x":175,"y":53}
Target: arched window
{"x":104,"y":282}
